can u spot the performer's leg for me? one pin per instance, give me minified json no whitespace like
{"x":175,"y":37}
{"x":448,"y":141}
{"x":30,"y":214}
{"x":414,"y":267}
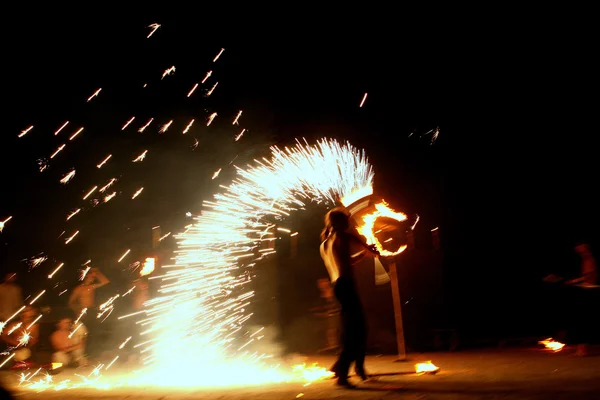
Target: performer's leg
{"x":342,"y":365}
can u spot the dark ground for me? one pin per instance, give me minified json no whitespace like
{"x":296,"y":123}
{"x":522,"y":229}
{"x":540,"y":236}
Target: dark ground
{"x":484,"y":374}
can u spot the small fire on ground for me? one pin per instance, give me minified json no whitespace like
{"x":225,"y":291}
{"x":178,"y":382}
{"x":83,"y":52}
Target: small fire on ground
{"x":426,"y":367}
{"x":551,"y":344}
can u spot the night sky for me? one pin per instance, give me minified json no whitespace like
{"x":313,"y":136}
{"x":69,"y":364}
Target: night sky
{"x":510,"y":181}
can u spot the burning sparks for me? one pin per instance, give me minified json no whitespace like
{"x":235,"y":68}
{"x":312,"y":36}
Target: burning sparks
{"x":61,"y":128}
{"x":74,"y":213}
{"x":95,"y":94}
{"x":70,"y":239}
{"x":25,"y":132}
{"x":92,"y":190}
{"x":67,"y":177}
{"x":212,"y":89}
{"x":168,"y":71}
{"x":363,"y":100}
{"x":148,"y":267}
{"x":57,"y":269}
{"x":110,"y":197}
{"x":187,"y":128}
{"x":58,"y":151}
{"x":124,"y":255}
{"x":166,"y":126}
{"x":237,"y":118}
{"x":238,"y":137}
{"x":136,"y":194}
{"x":426,"y":367}
{"x":108,"y":157}
{"x":73,"y":136}
{"x":145,"y":126}
{"x":108,"y":185}
{"x":141,"y":157}
{"x":127,"y":123}
{"x":216,"y":174}
{"x":218,"y":55}
{"x":551,"y":344}
{"x":164,"y":237}
{"x":193,"y":90}
{"x":154,"y":27}
{"x":211,"y":118}
{"x":367,"y":229}
{"x":3,"y":223}
{"x":208,"y":74}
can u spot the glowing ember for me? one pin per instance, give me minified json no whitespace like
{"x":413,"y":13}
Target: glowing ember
{"x":67,"y":177}
{"x":426,"y":367}
{"x":168,"y":71}
{"x":148,"y":267}
{"x":367,"y":229}
{"x":154,"y":27}
{"x":3,"y":223}
{"x":551,"y":344}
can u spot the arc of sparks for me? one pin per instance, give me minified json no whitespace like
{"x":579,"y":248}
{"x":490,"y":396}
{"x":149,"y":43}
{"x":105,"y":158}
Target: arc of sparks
{"x":166,"y":126}
{"x":61,"y":128}
{"x":136,"y":194}
{"x":168,"y":71}
{"x":212,"y":89}
{"x":211,"y":118}
{"x":154,"y":27}
{"x":208,"y":74}
{"x":127,"y":123}
{"x":95,"y":94}
{"x":145,"y":126}
{"x":193,"y":90}
{"x":76,"y":133}
{"x":363,"y":100}
{"x":25,"y":132}
{"x":187,"y":128}
{"x":218,"y":55}
{"x":67,"y":177}
{"x":141,"y":157}
{"x":237,"y":118}
{"x":108,"y":157}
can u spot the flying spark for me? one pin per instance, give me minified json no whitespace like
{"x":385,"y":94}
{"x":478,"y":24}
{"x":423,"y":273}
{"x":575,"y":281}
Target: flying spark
{"x":74,"y":213}
{"x":218,"y":55}
{"x":363,"y":100}
{"x":193,"y":90}
{"x":154,"y":27}
{"x":109,"y":184}
{"x":83,"y":274}
{"x":237,"y":118}
{"x":127,"y":123}
{"x":92,"y":190}
{"x":137,"y":193}
{"x":208,"y":74}
{"x":187,"y":128}
{"x":56,"y":270}
{"x":124,"y":255}
{"x":70,"y":239}
{"x":25,"y":132}
{"x":42,"y":164}
{"x":108,"y":157}
{"x":436,"y":134}
{"x":216,"y":174}
{"x":168,"y":71}
{"x":212,"y":89}
{"x":166,"y":126}
{"x":238,"y":137}
{"x":110,"y":197}
{"x":3,"y":223}
{"x":75,"y":134}
{"x":145,"y":126}
{"x":67,"y":177}
{"x":211,"y":118}
{"x":164,"y":237}
{"x":196,"y":143}
{"x":58,"y":150}
{"x":35,"y":262}
{"x":141,"y":157}
{"x":37,"y":297}
{"x":96,"y":93}
{"x":61,"y":128}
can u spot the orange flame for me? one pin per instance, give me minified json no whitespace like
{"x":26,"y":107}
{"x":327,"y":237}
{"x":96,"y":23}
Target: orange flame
{"x":551,"y":344}
{"x":367,"y":229}
{"x":426,"y":367}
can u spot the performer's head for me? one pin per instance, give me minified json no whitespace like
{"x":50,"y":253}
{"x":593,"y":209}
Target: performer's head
{"x":336,"y":220}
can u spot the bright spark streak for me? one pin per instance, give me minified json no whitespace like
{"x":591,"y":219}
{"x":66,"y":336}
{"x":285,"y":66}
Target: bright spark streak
{"x":109,"y":184}
{"x":14,"y":328}
{"x":216,"y":174}
{"x":96,"y":93}
{"x":294,"y":234}
{"x":154,"y":27}
{"x":166,"y":126}
{"x":71,"y":238}
{"x":127,"y":123}
{"x":193,"y":90}
{"x":92,"y":190}
{"x":187,"y":128}
{"x":37,"y":297}
{"x":110,"y":197}
{"x":141,"y":157}
{"x":212,"y":89}
{"x":108,"y":157}
{"x":237,"y":118}
{"x":35,"y":262}
{"x":56,"y":270}
{"x":25,"y":132}
{"x":2,"y":223}
{"x":164,"y":237}
{"x":61,"y":128}
{"x":363,"y":100}
{"x":7,"y":360}
{"x":63,"y":292}
{"x":58,"y":150}
{"x":15,"y":314}
{"x":83,"y":273}
{"x":34,"y":322}
{"x":168,"y":71}
{"x":211,"y":118}
{"x":196,"y":143}
{"x":145,"y":126}
{"x":238,"y":137}
{"x":367,"y":229}
{"x":412,"y":228}
{"x":136,"y":194}
{"x":124,"y":255}
{"x":76,"y":329}
{"x":67,"y":177}
{"x":208,"y":74}
{"x":81,"y":314}
{"x":75,"y":134}
{"x":284,"y":230}
{"x":218,"y":55}
{"x":111,"y":363}
{"x":124,"y":343}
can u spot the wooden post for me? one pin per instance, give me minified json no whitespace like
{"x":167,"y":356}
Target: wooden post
{"x":397,"y":312}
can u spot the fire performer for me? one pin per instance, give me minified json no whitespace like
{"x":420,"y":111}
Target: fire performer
{"x":340,"y":250}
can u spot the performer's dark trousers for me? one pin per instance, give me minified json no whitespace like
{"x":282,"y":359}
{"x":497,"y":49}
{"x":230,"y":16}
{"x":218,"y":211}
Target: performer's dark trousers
{"x":353,"y":328}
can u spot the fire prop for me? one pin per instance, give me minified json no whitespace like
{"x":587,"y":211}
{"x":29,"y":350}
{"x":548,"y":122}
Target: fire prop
{"x":368,"y":231}
{"x":552,"y":345}
{"x":426,"y":367}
